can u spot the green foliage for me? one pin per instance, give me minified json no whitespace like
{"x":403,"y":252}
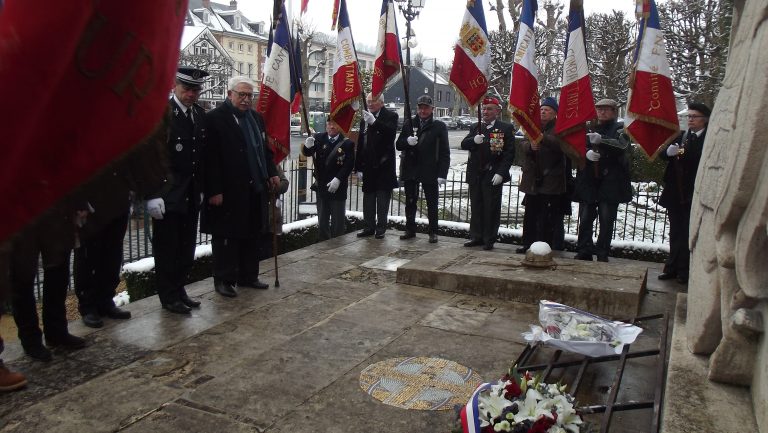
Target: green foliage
{"x":643,"y":169}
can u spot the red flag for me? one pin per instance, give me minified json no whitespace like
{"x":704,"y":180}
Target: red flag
{"x":386,"y":67}
{"x":524,"y":85}
{"x":334,"y":14}
{"x":577,"y":106}
{"x":304,"y":4}
{"x":651,"y":109}
{"x":346,"y":79}
{"x":275,"y":96}
{"x":472,"y":56}
{"x":70,"y":112}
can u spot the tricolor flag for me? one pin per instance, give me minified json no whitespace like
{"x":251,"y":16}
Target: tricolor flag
{"x":651,"y":109}
{"x":334,"y":14}
{"x":304,"y":4}
{"x":50,"y":146}
{"x":472,"y":55}
{"x":470,"y":413}
{"x":524,"y":83}
{"x":274,"y":102}
{"x":386,"y":67}
{"x":346,"y":78}
{"x":577,"y":106}
{"x":296,"y":78}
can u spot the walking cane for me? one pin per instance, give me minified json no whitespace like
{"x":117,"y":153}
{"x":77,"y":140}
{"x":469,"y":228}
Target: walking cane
{"x":273,"y":201}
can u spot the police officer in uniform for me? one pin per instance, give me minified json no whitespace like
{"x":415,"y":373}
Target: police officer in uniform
{"x":176,"y":208}
{"x":334,"y":157}
{"x":491,"y":146}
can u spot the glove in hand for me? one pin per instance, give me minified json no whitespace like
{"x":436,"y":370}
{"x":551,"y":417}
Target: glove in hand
{"x":156,"y":208}
{"x":412,"y":141}
{"x":497,"y":179}
{"x":479,"y":138}
{"x":593,"y":156}
{"x":309,"y":143}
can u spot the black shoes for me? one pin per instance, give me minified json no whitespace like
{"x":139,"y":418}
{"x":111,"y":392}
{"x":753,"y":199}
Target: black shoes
{"x":488,"y":247}
{"x":380,"y":235}
{"x":584,"y":256}
{"x":682,"y":280}
{"x":602,"y":259}
{"x":177,"y":307}
{"x":116,"y":313}
{"x":225,"y":289}
{"x":365,"y":233}
{"x":473,"y":243}
{"x":38,"y":352}
{"x":92,"y":320}
{"x":667,"y":276}
{"x":408,"y":235}
{"x":189,"y":302}
{"x":66,"y":341}
{"x":432,"y":238}
{"x":255,"y":284}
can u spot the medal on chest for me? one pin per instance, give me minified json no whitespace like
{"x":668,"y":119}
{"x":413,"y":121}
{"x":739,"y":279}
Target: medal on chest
{"x":496,"y":142}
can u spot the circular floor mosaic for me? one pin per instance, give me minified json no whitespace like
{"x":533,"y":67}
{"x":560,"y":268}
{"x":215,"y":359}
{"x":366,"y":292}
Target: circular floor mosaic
{"x":419,"y":383}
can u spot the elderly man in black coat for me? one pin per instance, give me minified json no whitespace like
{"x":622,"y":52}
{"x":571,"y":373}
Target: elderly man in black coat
{"x":682,"y":157}
{"x":376,"y":160}
{"x":333,"y":156}
{"x":425,"y":159}
{"x":240,"y":172}
{"x":491,"y":146}
{"x":603,"y":183}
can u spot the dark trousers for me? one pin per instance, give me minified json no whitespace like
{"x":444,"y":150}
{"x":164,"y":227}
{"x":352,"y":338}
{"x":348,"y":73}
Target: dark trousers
{"x":331,"y":219}
{"x":97,"y":267}
{"x":543,"y":219}
{"x":411,"y":204}
{"x":376,"y":210}
{"x":485,"y":203}
{"x":173,"y":244}
{"x":237,"y":259}
{"x":606,"y":215}
{"x":679,"y":258}
{"x":24,"y":262}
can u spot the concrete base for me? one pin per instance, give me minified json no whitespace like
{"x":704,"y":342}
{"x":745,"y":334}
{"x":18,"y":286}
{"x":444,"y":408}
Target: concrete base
{"x":693,"y":403}
{"x":606,"y":289}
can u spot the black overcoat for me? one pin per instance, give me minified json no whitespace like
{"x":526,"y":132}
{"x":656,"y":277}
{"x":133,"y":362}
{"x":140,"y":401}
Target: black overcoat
{"x":544,"y":170}
{"x":680,"y":174}
{"x":607,"y":180}
{"x":227,"y":173}
{"x":376,"y":160}
{"x":327,"y":167}
{"x":495,"y":153}
{"x":431,"y":156}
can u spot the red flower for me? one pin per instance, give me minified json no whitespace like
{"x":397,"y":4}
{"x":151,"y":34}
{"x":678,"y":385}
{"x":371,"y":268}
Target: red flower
{"x":512,"y":390}
{"x":542,"y":425}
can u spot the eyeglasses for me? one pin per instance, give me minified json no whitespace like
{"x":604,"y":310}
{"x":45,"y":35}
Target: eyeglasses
{"x":244,"y":95}
{"x":694,"y":116}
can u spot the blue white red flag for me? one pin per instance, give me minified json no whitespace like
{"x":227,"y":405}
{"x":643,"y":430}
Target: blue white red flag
{"x":386,"y":67}
{"x":577,"y":106}
{"x":296,"y":78}
{"x":346,"y":78}
{"x":470,"y":413}
{"x":472,"y":55}
{"x":651,"y":109}
{"x":274,"y":102}
{"x":524,"y":83}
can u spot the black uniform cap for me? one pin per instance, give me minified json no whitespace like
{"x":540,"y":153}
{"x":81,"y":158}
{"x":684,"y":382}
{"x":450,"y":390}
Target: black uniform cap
{"x":701,"y":108}
{"x":191,"y":76}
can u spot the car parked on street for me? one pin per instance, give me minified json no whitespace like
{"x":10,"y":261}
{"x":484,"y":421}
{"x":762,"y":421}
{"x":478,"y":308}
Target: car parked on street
{"x":464,"y":122}
{"x":449,"y":122}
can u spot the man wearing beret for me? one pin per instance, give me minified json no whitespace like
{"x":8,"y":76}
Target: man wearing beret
{"x":603,"y":183}
{"x":176,"y":208}
{"x":425,"y":160}
{"x":682,"y":157}
{"x":491,"y":146}
{"x":333,"y":156}
{"x":544,"y":183}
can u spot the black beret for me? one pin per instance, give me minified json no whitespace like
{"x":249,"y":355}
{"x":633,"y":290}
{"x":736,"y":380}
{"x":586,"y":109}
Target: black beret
{"x":701,"y":108}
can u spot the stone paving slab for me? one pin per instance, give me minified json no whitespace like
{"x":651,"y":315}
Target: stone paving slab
{"x":285,"y":359}
{"x":601,"y":288}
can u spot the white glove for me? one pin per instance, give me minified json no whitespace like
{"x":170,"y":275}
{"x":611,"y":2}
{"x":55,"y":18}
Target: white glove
{"x":440,"y":181}
{"x":333,"y":185}
{"x":673,"y":150}
{"x":594,"y":137}
{"x":309,"y":143}
{"x":412,"y":140}
{"x":359,"y":176}
{"x":479,"y":139}
{"x":156,"y":208}
{"x":593,"y":156}
{"x":355,"y":105}
{"x":369,"y":117}
{"x":496,"y":181}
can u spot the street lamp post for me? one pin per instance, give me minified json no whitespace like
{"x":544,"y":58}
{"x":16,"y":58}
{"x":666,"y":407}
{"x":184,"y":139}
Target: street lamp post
{"x":410,"y":10}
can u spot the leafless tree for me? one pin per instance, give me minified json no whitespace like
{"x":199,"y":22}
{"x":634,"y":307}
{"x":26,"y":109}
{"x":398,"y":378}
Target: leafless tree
{"x":610,"y":41}
{"x":550,"y":47}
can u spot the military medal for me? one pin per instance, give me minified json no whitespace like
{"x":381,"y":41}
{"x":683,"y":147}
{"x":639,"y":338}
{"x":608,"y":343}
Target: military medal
{"x":496,"y":141}
{"x":175,"y":111}
{"x":179,"y":147}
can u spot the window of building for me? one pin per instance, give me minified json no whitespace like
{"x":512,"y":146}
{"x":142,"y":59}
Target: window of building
{"x":439,"y":95}
{"x":447,"y":96}
{"x":238,"y":22}
{"x":250,"y":69}
{"x":240,"y":68}
{"x":240,"y":46}
{"x":317,"y":87}
{"x":231,"y":46}
{"x":250,"y":48}
{"x":206,"y":17}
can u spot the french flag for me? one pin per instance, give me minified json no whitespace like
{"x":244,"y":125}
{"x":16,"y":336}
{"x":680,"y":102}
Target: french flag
{"x":386,"y":67}
{"x":472,"y":55}
{"x":470,"y":414}
{"x":651,"y":109}
{"x":296,"y":79}
{"x":524,"y":83}
{"x":577,"y":106}
{"x":346,"y":78}
{"x":274,"y":102}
